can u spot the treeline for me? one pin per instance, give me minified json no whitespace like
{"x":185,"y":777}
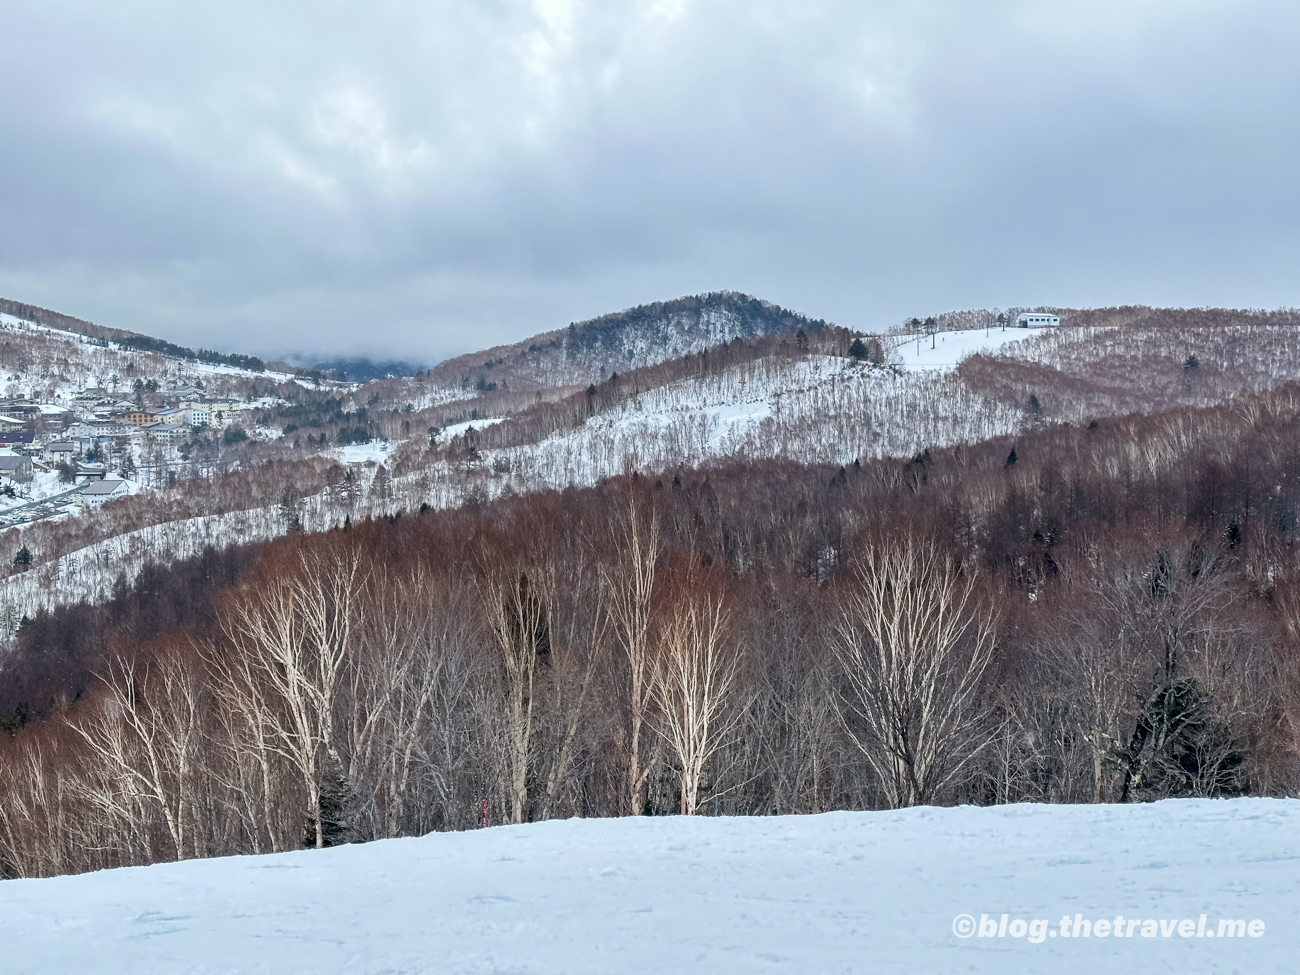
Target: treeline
{"x":130,"y":340}
{"x":753,"y":317}
{"x":54,"y":319}
{"x":145,"y":343}
{"x":1105,"y":612}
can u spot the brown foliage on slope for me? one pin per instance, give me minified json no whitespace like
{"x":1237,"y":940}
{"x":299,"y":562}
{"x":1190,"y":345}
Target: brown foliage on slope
{"x":1139,"y":576}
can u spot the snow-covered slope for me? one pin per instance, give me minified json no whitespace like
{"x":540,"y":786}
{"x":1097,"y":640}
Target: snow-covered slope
{"x":53,"y":364}
{"x":841,"y":892}
{"x":945,"y":349}
{"x":820,"y":410}
{"x":589,"y":351}
{"x":817,"y":407}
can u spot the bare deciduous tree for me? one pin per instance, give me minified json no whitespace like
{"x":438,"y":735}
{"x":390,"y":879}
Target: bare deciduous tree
{"x":147,"y":740}
{"x":694,"y":683}
{"x":628,"y":591}
{"x":913,"y":644}
{"x":294,"y":632}
{"x":519,"y":617}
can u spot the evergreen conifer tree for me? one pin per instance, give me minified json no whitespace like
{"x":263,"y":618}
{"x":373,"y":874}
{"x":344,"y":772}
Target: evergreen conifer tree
{"x":337,"y":809}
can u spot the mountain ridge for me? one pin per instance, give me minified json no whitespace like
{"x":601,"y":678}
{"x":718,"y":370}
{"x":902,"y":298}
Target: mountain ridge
{"x":588,"y":351}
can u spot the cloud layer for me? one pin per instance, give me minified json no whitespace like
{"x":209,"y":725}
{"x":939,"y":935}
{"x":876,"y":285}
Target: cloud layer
{"x":423,"y":178}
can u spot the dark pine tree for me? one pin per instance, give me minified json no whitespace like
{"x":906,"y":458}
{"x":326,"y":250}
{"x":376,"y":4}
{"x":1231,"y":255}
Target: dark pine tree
{"x":337,"y":801}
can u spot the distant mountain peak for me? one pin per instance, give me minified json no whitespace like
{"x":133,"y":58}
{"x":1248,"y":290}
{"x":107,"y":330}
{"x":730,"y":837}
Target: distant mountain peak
{"x":588,"y":351}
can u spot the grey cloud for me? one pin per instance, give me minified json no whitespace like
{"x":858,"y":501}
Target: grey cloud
{"x":421,"y":179}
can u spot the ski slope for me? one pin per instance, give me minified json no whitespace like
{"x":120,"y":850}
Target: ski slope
{"x":840,"y":892}
{"x":459,"y":429}
{"x":951,"y":347}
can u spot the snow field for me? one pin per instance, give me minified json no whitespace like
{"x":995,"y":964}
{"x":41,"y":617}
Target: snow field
{"x":459,"y":429}
{"x":951,"y":347}
{"x":839,"y":892}
{"x":374,"y":451}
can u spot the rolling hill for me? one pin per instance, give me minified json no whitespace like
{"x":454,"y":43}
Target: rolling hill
{"x":775,"y":384}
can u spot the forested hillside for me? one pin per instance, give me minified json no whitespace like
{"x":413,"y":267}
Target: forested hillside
{"x":587,"y":352}
{"x":675,"y":587}
{"x":300,"y":456}
{"x":1106,"y":611}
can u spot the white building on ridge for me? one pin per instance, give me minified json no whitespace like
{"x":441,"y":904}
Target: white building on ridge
{"x":1036,"y":319}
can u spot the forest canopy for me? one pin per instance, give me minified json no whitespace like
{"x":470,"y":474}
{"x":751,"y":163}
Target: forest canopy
{"x":1113,"y":617}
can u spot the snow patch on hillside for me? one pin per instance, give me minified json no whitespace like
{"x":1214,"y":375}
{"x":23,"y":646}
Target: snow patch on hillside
{"x":374,"y":452}
{"x":839,"y":892}
{"x":90,"y":574}
{"x":951,"y":347}
{"x":460,"y":429}
{"x":15,"y":324}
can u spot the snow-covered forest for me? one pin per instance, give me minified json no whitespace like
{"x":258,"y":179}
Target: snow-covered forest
{"x":45,"y":363}
{"x":532,"y":656}
{"x":512,"y":611}
{"x":798,"y":396}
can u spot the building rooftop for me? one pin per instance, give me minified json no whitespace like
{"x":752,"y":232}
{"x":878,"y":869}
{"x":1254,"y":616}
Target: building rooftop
{"x":107,"y":486}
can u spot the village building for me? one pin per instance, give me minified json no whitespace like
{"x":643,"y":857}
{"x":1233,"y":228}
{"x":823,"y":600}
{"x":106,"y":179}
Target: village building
{"x":60,"y":451}
{"x":97,"y":492}
{"x":91,"y":472}
{"x":105,"y":426}
{"x":16,"y":468}
{"x":21,"y":439}
{"x":167,"y":433}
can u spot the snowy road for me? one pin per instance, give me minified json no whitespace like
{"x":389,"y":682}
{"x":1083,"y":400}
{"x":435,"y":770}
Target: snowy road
{"x":843,"y":892}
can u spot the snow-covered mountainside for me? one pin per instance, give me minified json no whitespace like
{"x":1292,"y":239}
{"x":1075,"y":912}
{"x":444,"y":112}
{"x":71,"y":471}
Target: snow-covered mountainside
{"x":919,"y":890}
{"x":589,"y":351}
{"x":446,"y":435}
{"x":52,"y":364}
{"x":950,"y":388}
{"x":822,"y":409}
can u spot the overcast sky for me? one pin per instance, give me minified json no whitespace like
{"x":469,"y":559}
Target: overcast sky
{"x":424,"y":178}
